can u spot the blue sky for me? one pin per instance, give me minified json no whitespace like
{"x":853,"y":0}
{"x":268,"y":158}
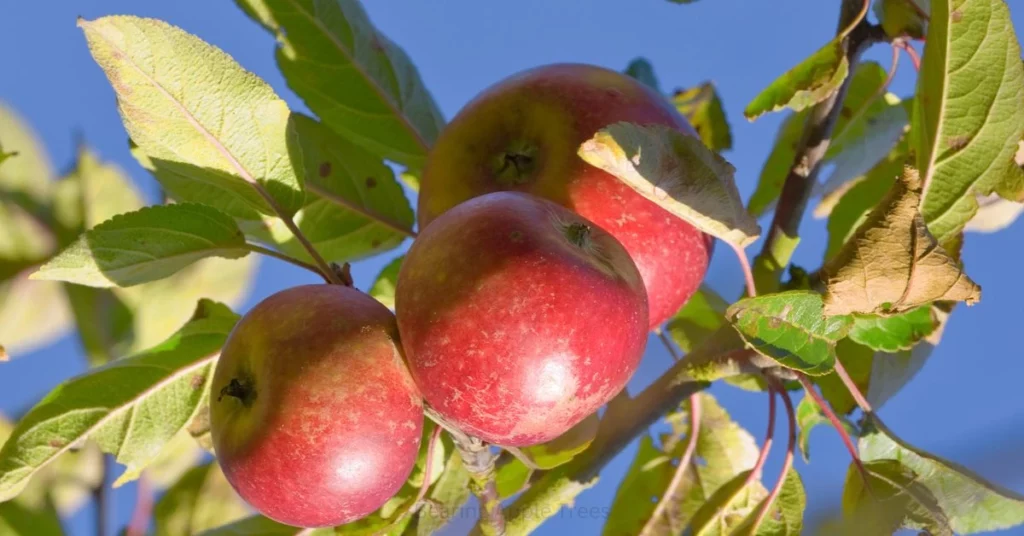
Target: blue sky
{"x":966,"y":403}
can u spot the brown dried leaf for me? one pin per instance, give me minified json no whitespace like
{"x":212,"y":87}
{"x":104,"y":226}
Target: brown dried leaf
{"x":892,"y":263}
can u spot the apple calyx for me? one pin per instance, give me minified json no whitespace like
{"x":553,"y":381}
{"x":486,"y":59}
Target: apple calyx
{"x":516,"y":166}
{"x":242,"y":389}
{"x":578,"y":234}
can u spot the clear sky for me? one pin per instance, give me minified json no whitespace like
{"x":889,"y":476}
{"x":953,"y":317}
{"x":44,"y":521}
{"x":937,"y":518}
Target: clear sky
{"x":965,"y":405}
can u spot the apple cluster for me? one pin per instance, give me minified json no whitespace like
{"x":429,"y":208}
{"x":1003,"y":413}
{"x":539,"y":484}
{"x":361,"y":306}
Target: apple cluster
{"x":521,"y":308}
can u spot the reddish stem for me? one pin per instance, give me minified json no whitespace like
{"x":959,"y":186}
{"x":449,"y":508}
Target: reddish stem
{"x":755,"y":472}
{"x":139,"y":523}
{"x":910,"y":50}
{"x":748,"y":274}
{"x":428,"y":468}
{"x":827,"y":410}
{"x":668,"y":344}
{"x":787,"y":462}
{"x":677,"y":479}
{"x":865,"y":406}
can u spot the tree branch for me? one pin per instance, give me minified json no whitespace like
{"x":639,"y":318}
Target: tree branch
{"x":479,"y":461}
{"x":821,"y":121}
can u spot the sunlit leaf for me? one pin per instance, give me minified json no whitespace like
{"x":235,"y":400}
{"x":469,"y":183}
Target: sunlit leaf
{"x":383,"y":288}
{"x":446,"y":497}
{"x":892,"y":263}
{"x":29,"y":175}
{"x":702,"y":106}
{"x":261,"y":526}
{"x":896,"y":499}
{"x":678,"y":173}
{"x":727,"y":508}
{"x":32,"y":314}
{"x":146,"y":245}
{"x":970,"y":503}
{"x":810,"y":82}
{"x":354,"y":78}
{"x":702,"y":315}
{"x":566,"y":446}
{"x":785,"y":516}
{"x":968,"y":116}
{"x":994,"y":214}
{"x":791,"y":329}
{"x":196,"y":114}
{"x":157,"y":393}
{"x":202,"y":499}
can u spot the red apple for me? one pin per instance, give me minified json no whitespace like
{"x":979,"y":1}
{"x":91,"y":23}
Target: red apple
{"x":314,"y":416}
{"x":523,"y":133}
{"x":519,"y":317}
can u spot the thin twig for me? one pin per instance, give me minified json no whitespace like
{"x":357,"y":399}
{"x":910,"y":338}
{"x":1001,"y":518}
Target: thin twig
{"x":787,"y":462}
{"x":139,"y":523}
{"x":851,"y":386}
{"x":831,"y":416}
{"x":910,"y":50}
{"x":355,"y":207}
{"x":821,"y":120}
{"x":678,"y":478}
{"x":748,"y":275}
{"x":479,"y":462}
{"x":286,"y":258}
{"x":769,"y":438}
{"x":667,"y":344}
{"x":856,"y":20}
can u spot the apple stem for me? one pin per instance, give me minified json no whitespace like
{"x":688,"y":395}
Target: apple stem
{"x":671,"y":492}
{"x":827,"y":410}
{"x":851,"y":386}
{"x":522,"y":457}
{"x":242,"y":389}
{"x":480,"y":463}
{"x":787,"y":462}
{"x":769,"y":438}
{"x":748,"y":274}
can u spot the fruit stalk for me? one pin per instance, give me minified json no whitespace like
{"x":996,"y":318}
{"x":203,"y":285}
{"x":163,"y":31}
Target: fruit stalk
{"x":479,"y":462}
{"x":803,"y":173}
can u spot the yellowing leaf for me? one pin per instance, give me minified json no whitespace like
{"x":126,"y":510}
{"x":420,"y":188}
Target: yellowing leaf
{"x":678,"y":173}
{"x":803,"y":86}
{"x":27,"y":171}
{"x":893,"y":264}
{"x":196,"y":113}
{"x":968,"y":117}
{"x":702,"y":106}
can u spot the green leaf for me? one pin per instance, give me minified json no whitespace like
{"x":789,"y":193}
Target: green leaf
{"x":903,"y":17}
{"x":857,"y":360}
{"x":896,"y":499}
{"x":994,"y":214}
{"x":727,"y":508}
{"x":512,"y":477}
{"x":703,"y":314}
{"x":808,"y":417}
{"x":146,"y":245}
{"x":566,"y":446}
{"x":641,"y":70}
{"x":157,"y":394}
{"x":25,"y":241}
{"x":863,"y":103}
{"x":202,"y":499}
{"x":893,"y":333}
{"x":702,"y":106}
{"x":29,"y":176}
{"x":261,"y":526}
{"x":805,"y":85}
{"x":383,"y":288}
{"x":354,"y":78}
{"x":354,"y":206}
{"x":791,"y":329}
{"x":968,"y":116}
{"x":450,"y":493}
{"x":970,"y":503}
{"x":724,"y":450}
{"x":17,"y":520}
{"x":866,"y":140}
{"x":892,"y":263}
{"x":197,"y":115}
{"x":105,"y":322}
{"x":678,"y":173}
{"x":66,"y":484}
{"x":32,"y":315}
{"x":103,"y":190}
{"x":785,"y":516}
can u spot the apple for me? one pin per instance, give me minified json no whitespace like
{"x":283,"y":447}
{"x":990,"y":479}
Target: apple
{"x":522,"y":135}
{"x":314,"y":416}
{"x":519,"y":318}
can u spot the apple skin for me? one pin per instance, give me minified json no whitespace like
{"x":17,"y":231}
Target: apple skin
{"x":542,"y":116}
{"x":514,"y":332}
{"x":327,"y":425}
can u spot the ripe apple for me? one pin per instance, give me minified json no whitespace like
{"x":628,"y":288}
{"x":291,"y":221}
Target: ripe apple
{"x":519,"y":317}
{"x":314,"y":416}
{"x":523,"y":133}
